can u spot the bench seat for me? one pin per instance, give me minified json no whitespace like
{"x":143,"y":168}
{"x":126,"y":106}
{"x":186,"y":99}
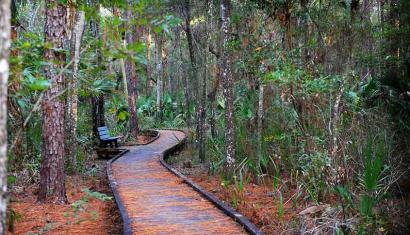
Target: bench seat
{"x":106,"y":139}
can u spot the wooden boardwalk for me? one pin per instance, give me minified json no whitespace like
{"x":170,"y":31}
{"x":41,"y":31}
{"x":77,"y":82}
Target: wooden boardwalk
{"x":156,"y":201}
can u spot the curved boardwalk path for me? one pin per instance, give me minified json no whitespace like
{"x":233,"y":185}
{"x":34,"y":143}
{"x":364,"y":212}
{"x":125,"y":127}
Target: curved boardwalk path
{"x":155,"y":201}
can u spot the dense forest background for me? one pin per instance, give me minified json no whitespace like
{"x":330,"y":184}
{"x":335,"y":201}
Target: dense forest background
{"x":310,"y":98}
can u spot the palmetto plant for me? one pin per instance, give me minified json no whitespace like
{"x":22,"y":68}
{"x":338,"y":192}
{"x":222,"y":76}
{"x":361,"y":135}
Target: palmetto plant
{"x":373,"y":167}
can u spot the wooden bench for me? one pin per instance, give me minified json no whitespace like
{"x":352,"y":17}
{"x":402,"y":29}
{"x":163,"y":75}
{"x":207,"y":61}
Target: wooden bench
{"x":106,"y":139}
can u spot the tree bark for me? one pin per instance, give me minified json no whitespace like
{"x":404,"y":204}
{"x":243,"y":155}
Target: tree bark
{"x":202,"y":94}
{"x":192,"y":56}
{"x":71,"y":18}
{"x":259,"y":123}
{"x":182,"y":76}
{"x":131,"y":72}
{"x":159,"y":40}
{"x":97,"y":102}
{"x":5,"y":42}
{"x":72,"y":94}
{"x":52,"y":175}
{"x":149,"y":69}
{"x":215,"y":87}
{"x":228,"y":87}
{"x":306,"y":33}
{"x":212,"y":101}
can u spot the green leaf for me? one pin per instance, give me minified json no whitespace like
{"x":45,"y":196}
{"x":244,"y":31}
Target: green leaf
{"x":25,"y":45}
{"x":157,"y":29}
{"x":11,"y":179}
{"x":366,"y":205}
{"x":221,"y":103}
{"x":39,"y":85}
{"x":122,"y":116}
{"x":344,"y":193}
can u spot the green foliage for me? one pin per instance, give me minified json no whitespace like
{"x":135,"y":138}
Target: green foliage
{"x":81,"y":205}
{"x":373,"y":166}
{"x":344,"y":194}
{"x":47,"y":227}
{"x":97,"y":195}
{"x":12,"y":218}
{"x":280,"y":206}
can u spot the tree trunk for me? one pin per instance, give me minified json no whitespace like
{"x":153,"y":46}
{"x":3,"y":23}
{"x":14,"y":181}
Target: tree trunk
{"x":97,"y":102}
{"x":228,"y":85}
{"x":182,"y":75}
{"x":368,"y":36}
{"x":160,"y":71}
{"x":72,"y":94}
{"x":52,"y":175}
{"x":306,"y":33}
{"x":71,"y":18}
{"x":149,"y":70}
{"x":192,"y":56}
{"x":124,"y":73}
{"x":202,"y":94}
{"x":215,"y":87}
{"x":259,"y":123}
{"x":5,"y":42}
{"x":131,"y":72}
{"x":330,"y":171}
{"x":212,"y":101}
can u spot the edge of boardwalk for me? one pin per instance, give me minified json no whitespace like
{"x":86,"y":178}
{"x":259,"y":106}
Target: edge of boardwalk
{"x":113,"y":184}
{"x":239,"y":218}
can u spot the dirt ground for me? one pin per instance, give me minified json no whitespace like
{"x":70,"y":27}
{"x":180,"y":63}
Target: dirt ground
{"x":86,"y":213}
{"x":284,"y":210}
{"x":141,"y":140}
{"x":257,"y":202}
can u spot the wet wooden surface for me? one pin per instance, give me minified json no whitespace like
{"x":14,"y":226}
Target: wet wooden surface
{"x":157,"y":201}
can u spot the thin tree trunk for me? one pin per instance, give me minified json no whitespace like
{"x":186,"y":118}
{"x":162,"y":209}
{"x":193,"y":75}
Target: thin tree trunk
{"x":119,"y":42}
{"x":124,"y":73}
{"x":164,"y":60}
{"x":97,"y":102}
{"x":368,"y":36}
{"x":334,"y":135}
{"x":215,"y":87}
{"x":182,"y":76}
{"x":202,"y":93}
{"x":192,"y":56}
{"x":212,"y":99}
{"x":71,"y":17}
{"x":149,"y":70}
{"x":259,"y":123}
{"x":33,"y":16}
{"x":306,"y":33}
{"x":228,"y":85}
{"x":52,"y":175}
{"x":5,"y":42}
{"x":131,"y":72}
{"x":72,"y":95}
{"x":160,"y":72}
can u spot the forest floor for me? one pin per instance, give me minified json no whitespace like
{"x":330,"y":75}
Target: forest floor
{"x":86,"y":213}
{"x":143,"y":139}
{"x":290,"y":215}
{"x":257,"y":202}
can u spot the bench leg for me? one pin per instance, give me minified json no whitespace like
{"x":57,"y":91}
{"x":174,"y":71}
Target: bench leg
{"x":116,"y":143}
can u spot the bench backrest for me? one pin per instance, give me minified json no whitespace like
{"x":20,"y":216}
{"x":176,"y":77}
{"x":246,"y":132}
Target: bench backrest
{"x":103,"y":132}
